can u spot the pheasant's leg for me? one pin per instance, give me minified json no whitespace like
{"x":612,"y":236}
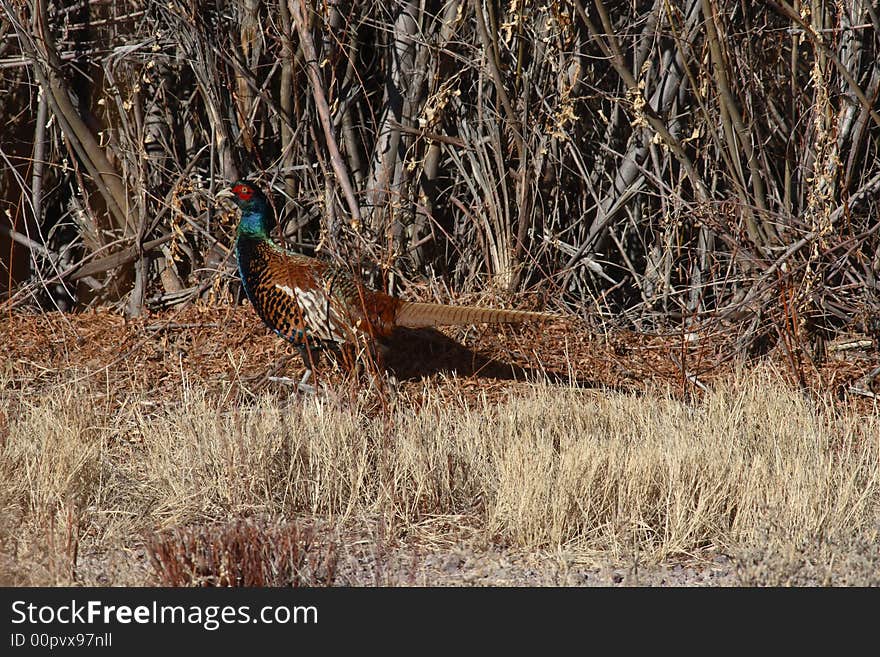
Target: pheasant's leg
{"x":310,"y":358}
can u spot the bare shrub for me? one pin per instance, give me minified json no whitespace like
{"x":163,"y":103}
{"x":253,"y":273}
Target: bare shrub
{"x":707,"y":165}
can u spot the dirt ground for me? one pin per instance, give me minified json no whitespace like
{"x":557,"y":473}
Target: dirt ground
{"x":469,"y":562}
{"x":219,"y":344}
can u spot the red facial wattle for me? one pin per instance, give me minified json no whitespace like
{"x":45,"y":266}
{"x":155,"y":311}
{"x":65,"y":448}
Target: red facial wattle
{"x":243,"y":192}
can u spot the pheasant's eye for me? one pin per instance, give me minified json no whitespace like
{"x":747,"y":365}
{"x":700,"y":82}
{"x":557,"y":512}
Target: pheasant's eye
{"x":243,"y":192}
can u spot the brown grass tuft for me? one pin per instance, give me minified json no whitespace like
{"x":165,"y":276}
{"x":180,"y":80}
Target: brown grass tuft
{"x":241,"y":553}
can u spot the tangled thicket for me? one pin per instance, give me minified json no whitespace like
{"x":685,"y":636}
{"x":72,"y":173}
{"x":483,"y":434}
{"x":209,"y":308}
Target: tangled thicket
{"x":702,"y":163}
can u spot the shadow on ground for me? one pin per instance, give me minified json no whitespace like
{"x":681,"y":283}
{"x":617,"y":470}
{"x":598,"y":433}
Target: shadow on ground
{"x":413,"y":354}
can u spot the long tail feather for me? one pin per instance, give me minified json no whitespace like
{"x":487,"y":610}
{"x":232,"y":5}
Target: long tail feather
{"x":419,"y":315}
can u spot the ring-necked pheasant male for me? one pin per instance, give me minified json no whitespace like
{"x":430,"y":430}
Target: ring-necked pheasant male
{"x":312,"y":303}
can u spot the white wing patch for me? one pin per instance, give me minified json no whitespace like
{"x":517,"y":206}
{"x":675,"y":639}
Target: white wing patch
{"x":320,"y":317}
{"x":286,"y":289}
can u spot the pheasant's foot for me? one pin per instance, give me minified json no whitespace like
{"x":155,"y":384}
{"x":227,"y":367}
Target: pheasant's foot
{"x":301,"y":386}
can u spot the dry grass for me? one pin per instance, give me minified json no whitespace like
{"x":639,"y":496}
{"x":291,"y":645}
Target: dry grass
{"x":754,"y":467}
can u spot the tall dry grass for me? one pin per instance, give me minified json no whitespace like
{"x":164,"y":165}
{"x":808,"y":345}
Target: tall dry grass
{"x":593,"y":472}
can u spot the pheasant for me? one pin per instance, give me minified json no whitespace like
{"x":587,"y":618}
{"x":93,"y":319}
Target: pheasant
{"x":315,"y":304}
